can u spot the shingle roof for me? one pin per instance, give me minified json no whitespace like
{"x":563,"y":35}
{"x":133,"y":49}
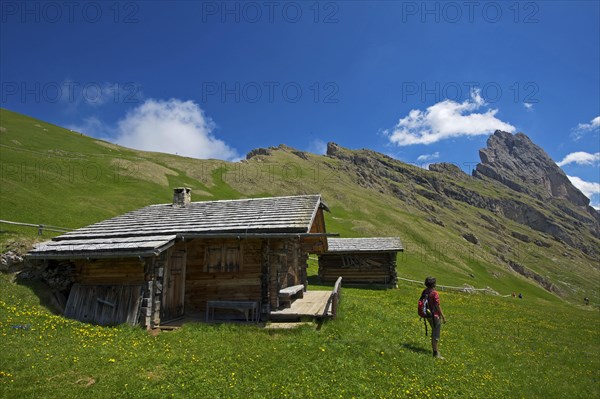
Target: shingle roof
{"x":153,"y":227}
{"x":98,"y":247}
{"x":372,"y":244}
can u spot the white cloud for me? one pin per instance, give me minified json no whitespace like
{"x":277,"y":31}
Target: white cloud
{"x":318,"y":146}
{"x":579,"y":131}
{"x":588,"y":189}
{"x":173,"y":126}
{"x":528,"y":106}
{"x":428,"y":157}
{"x":445,"y":120}
{"x":594,"y":124}
{"x":580,"y":158}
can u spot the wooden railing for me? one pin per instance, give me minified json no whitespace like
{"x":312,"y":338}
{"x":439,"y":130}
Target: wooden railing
{"x":467,"y":288}
{"x":334,"y":299}
{"x":40,"y":227}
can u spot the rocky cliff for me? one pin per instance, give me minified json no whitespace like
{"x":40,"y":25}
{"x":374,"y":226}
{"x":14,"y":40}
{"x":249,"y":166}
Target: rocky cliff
{"x":518,"y":163}
{"x":529,"y":188}
{"x":561,"y":209}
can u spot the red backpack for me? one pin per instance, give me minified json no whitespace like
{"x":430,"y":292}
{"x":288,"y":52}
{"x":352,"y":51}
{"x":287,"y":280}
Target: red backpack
{"x":425,"y":310}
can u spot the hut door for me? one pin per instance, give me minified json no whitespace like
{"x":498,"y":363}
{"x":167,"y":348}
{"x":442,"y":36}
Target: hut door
{"x":174,"y":287}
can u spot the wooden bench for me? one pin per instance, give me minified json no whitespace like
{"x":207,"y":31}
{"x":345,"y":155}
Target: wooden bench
{"x":249,"y":308}
{"x":288,"y":294}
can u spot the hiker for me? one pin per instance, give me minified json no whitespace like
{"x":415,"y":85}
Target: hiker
{"x":586,"y":300}
{"x":520,"y":296}
{"x":435,"y":322}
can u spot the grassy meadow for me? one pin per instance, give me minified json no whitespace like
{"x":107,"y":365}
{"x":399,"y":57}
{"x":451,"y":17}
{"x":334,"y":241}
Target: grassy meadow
{"x":495,"y":347}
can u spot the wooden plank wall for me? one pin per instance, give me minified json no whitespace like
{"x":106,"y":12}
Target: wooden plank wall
{"x":316,"y":245}
{"x":109,"y":271}
{"x":100,"y":283}
{"x":201,"y":286}
{"x":104,"y":304}
{"x":357,"y":268}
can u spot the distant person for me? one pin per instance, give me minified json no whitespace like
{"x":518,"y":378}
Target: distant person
{"x":520,"y":296}
{"x":438,"y":315}
{"x":586,"y":300}
{"x":514,"y":295}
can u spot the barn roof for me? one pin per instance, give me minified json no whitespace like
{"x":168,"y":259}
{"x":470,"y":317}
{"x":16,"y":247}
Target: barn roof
{"x":100,"y":247}
{"x":152,"y":229}
{"x":371,"y":244}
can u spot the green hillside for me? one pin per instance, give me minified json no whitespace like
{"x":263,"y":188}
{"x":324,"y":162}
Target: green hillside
{"x":54,"y":176}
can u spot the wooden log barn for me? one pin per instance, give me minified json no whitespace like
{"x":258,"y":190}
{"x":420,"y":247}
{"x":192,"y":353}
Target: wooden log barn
{"x":361,"y":260}
{"x":237,"y":258}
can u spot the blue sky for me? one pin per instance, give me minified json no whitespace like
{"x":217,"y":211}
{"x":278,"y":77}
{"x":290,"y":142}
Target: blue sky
{"x":420,"y":81}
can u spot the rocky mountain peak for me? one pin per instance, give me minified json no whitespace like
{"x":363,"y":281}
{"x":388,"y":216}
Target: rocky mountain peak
{"x":516,"y":162}
{"x":333,"y":149}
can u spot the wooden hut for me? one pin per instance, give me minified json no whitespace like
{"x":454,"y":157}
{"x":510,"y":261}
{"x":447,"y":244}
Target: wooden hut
{"x":360,"y":260}
{"x":161,"y":262}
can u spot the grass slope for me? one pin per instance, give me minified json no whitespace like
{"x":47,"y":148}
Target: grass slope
{"x":376,"y":348}
{"x":54,"y":176}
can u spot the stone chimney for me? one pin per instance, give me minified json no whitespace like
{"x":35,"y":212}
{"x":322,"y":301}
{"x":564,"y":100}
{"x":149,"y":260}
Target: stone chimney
{"x":182,"y":196}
